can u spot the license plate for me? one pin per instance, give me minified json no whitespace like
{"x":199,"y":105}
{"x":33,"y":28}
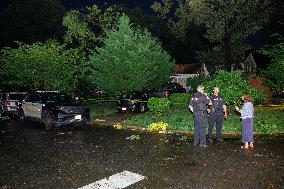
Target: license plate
{"x":78,"y":117}
{"x":123,"y":108}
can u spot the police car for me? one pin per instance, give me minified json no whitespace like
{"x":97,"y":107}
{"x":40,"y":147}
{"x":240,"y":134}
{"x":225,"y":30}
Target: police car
{"x":9,"y":103}
{"x":52,"y":108}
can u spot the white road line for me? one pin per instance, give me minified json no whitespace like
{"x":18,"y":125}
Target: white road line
{"x":116,"y":181}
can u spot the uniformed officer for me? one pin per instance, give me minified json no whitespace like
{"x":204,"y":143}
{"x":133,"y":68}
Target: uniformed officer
{"x":198,"y":105}
{"x":217,"y":111}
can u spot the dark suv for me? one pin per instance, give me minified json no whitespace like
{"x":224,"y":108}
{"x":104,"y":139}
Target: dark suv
{"x":167,"y":89}
{"x":53,"y":109}
{"x":133,"y":102}
{"x":9,"y":103}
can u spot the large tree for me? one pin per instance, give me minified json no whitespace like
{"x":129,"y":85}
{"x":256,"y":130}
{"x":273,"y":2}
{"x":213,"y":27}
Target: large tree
{"x":30,"y":21}
{"x":228,"y":22}
{"x":130,"y":60}
{"x":85,"y":29}
{"x":275,"y":70}
{"x":42,"y":66}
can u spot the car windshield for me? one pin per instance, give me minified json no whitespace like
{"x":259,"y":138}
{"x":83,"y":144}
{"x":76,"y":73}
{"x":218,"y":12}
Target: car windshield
{"x":15,"y":96}
{"x":131,"y":96}
{"x":59,"y":98}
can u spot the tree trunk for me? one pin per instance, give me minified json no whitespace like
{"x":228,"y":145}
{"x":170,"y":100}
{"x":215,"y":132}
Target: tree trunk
{"x":227,"y":49}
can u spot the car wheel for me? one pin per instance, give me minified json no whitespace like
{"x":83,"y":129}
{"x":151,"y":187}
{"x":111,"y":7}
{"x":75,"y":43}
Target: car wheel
{"x":47,"y":121}
{"x":21,"y":115}
{"x":142,"y":108}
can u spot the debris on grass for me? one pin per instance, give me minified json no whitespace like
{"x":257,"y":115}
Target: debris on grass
{"x":133,"y":137}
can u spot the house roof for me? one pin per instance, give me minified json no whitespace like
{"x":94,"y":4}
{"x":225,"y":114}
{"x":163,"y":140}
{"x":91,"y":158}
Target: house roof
{"x":188,"y":68}
{"x":249,"y":61}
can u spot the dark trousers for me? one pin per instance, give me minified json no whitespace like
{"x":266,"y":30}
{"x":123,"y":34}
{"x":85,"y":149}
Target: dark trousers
{"x":215,"y":117}
{"x":199,"y":128}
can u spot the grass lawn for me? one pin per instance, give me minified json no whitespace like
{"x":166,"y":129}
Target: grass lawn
{"x":268,"y":119}
{"x":98,"y":109}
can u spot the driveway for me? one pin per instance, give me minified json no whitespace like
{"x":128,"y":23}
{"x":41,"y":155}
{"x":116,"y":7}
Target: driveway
{"x":70,"y":158}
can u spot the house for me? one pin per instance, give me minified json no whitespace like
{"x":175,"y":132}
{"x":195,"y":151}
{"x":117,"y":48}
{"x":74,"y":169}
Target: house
{"x":183,"y":71}
{"x":248,"y":66}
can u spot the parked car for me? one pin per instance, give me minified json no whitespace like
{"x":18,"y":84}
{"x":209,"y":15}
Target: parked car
{"x":53,"y":109}
{"x":133,"y":102}
{"x":167,"y":89}
{"x":9,"y":103}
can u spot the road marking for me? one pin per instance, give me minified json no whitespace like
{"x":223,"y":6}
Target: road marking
{"x":116,"y":181}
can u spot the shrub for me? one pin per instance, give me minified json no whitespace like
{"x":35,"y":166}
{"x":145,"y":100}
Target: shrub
{"x":179,"y":98}
{"x":232,"y":87}
{"x":158,"y":104}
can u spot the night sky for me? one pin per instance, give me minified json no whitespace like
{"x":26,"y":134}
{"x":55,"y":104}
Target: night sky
{"x":78,"y":4}
{"x":75,"y":4}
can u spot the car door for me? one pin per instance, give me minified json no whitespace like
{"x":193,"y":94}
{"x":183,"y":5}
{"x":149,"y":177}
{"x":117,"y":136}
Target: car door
{"x":37,"y":106}
{"x":32,"y":106}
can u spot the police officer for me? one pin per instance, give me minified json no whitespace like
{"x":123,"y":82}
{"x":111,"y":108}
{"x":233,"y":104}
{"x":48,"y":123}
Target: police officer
{"x":217,"y":110}
{"x":198,"y":105}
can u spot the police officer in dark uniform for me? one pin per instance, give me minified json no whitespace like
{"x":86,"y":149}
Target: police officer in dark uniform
{"x":198,"y":105}
{"x":216,"y":112}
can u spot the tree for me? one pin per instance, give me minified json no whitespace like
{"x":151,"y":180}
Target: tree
{"x":228,"y":22}
{"x":276,"y":69}
{"x":30,"y":21}
{"x":85,"y":29}
{"x":39,"y":66}
{"x":131,"y":60}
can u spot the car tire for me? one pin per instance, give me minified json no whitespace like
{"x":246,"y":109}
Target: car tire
{"x":21,"y":115}
{"x":48,"y":121}
{"x":142,"y":108}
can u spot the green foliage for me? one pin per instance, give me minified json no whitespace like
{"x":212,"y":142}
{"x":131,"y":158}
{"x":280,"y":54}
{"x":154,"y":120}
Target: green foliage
{"x":40,"y":66}
{"x":98,"y":109}
{"x":228,"y":23}
{"x":264,"y":126}
{"x":176,"y":118}
{"x":179,"y":99}
{"x":86,"y":30}
{"x":266,"y":120}
{"x":276,"y":69}
{"x":158,"y":104}
{"x":130,"y":60}
{"x":193,"y":82}
{"x":232,"y":87}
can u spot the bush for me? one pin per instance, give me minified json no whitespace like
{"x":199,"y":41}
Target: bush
{"x":232,"y":87}
{"x":179,"y":98}
{"x":158,"y":104}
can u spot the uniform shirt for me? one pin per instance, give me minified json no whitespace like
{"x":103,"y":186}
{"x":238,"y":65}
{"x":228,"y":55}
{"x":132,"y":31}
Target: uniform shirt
{"x":247,"y":110}
{"x":199,"y":102}
{"x":217,"y":103}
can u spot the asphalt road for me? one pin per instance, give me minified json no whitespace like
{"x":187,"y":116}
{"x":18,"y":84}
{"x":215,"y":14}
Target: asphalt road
{"x":70,"y":158}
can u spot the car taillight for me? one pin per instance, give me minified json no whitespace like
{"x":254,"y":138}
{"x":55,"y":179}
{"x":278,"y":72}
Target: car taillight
{"x":7,"y":103}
